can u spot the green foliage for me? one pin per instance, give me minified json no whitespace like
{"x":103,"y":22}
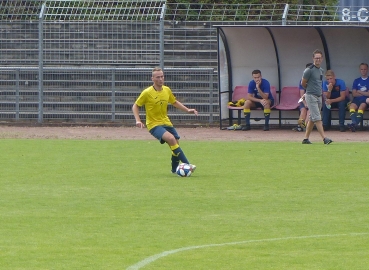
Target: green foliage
{"x":75,"y":204}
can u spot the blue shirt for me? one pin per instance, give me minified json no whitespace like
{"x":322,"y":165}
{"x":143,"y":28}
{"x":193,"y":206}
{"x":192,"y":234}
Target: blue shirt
{"x":338,"y":87}
{"x":264,"y":86}
{"x":361,"y":84}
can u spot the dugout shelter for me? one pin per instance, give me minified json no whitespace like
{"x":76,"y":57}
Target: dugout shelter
{"x":281,"y":53}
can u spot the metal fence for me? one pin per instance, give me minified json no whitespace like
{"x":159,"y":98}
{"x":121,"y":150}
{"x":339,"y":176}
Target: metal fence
{"x":99,"y":94}
{"x":52,"y":44}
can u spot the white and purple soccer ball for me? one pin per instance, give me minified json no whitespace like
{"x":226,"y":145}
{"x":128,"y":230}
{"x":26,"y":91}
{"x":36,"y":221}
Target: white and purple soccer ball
{"x":184,"y":170}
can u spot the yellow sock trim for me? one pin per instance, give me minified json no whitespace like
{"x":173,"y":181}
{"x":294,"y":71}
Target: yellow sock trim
{"x":360,"y":111}
{"x":267,"y":111}
{"x":174,"y":147}
{"x":352,"y":110}
{"x":246,"y":110}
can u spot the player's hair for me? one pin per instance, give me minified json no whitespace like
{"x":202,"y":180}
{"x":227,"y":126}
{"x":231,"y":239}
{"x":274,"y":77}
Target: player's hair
{"x":308,"y":64}
{"x":329,"y":72}
{"x":256,"y":71}
{"x":317,"y":51}
{"x":363,"y":64}
{"x":156,"y":69}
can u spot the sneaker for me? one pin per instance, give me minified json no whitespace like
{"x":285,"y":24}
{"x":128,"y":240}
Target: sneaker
{"x":193,"y":167}
{"x":327,"y":140}
{"x":301,"y":123}
{"x":306,"y":141}
{"x":235,"y":127}
{"x":298,"y":129}
{"x":246,"y":128}
{"x":266,"y":128}
{"x":352,"y":127}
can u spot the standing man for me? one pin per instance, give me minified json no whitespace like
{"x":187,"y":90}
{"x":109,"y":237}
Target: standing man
{"x":155,"y":99}
{"x":259,"y":96}
{"x":303,"y":117}
{"x":360,"y":92}
{"x":334,"y":91}
{"x":312,"y":81}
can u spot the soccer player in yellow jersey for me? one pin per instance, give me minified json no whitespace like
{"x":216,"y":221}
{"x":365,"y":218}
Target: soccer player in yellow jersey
{"x":155,"y":99}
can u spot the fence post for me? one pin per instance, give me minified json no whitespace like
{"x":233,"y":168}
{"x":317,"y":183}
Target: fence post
{"x":17,"y":94}
{"x":162,"y":15}
{"x":41,"y":64}
{"x":211,"y":105}
{"x":113,"y":95}
{"x":284,"y":16}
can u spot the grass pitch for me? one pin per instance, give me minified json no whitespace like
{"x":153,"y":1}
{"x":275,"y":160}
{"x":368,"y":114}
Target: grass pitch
{"x":77,"y":204}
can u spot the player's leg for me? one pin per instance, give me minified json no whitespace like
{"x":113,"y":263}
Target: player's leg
{"x":174,"y":146}
{"x":342,"y":114}
{"x":164,"y":136}
{"x":326,"y":118}
{"x":301,"y":122}
{"x":307,"y":118}
{"x":171,"y":137}
{"x":303,"y":116}
{"x":314,"y":110}
{"x":267,"y":114}
{"x":353,"y":107}
{"x":247,"y":112}
{"x":360,"y":113}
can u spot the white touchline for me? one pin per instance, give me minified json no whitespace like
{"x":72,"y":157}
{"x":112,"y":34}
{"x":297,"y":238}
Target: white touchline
{"x":153,"y":258}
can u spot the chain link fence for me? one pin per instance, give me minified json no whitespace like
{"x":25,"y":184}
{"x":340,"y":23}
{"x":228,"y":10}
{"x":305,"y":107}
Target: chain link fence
{"x":70,"y":60}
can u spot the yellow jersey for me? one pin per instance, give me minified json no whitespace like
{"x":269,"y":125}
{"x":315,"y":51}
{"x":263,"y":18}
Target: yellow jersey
{"x":156,"y":105}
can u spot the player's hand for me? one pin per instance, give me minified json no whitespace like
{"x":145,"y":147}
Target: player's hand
{"x":140,"y":124}
{"x":264,"y":102}
{"x":193,"y":111}
{"x":330,"y":87}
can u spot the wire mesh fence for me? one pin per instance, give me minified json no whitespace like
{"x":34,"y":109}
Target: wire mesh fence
{"x":130,"y":35}
{"x":100,"y":94}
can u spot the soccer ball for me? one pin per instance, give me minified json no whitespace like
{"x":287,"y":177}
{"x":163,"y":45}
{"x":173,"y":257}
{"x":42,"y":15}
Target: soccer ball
{"x":184,"y":170}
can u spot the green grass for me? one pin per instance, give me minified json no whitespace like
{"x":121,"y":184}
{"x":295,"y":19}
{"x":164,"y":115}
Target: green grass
{"x":84,"y":204}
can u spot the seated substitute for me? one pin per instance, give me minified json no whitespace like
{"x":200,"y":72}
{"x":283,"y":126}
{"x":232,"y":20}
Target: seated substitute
{"x":334,"y":91}
{"x":259,"y":96}
{"x":303,"y":117}
{"x":360,"y":92}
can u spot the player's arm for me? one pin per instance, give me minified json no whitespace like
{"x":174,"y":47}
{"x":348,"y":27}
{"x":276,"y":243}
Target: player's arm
{"x":182,"y":107}
{"x":358,"y":93}
{"x":341,"y":97}
{"x":302,"y":95}
{"x":327,"y":90}
{"x":136,"y":113}
{"x":354,"y":93}
{"x":304,"y":82}
{"x":302,"y":92}
{"x":366,"y":94}
{"x":264,"y":95}
{"x":252,"y":98}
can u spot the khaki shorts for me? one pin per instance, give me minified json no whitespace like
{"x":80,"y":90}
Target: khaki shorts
{"x":315,"y":105}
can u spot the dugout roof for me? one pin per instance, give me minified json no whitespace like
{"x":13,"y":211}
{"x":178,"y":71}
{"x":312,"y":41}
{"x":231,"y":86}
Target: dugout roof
{"x":281,"y":53}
